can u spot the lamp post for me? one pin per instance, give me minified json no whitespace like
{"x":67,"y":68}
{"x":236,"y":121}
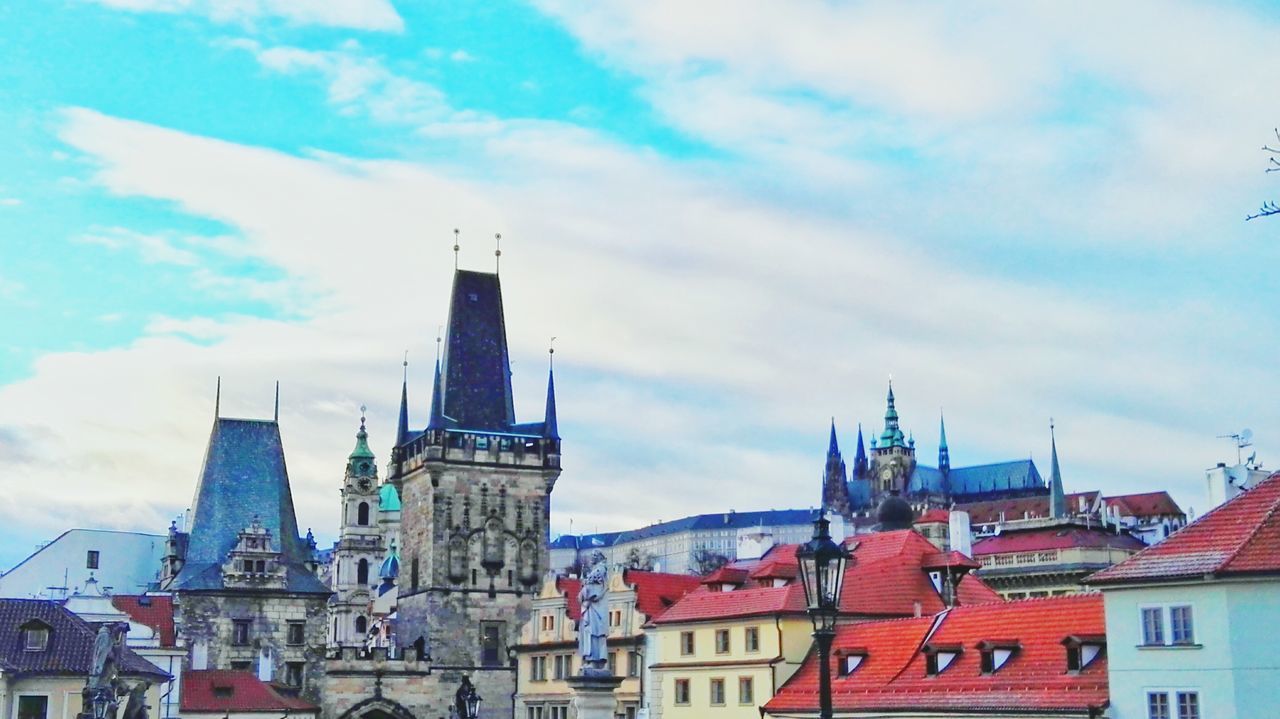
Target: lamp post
{"x":467,"y":700}
{"x":822,"y":562}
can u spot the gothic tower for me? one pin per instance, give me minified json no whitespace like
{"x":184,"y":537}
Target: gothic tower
{"x":360,"y":547}
{"x":475,"y":489}
{"x":835,"y":488}
{"x":893,"y":458}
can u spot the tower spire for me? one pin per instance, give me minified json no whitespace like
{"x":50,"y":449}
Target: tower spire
{"x":437,"y":402}
{"x":892,"y":435}
{"x":833,"y":448}
{"x":360,"y":462}
{"x":835,"y":490}
{"x":1057,"y":497}
{"x":277,"y":400}
{"x":402,"y":429}
{"x":217,"y":398}
{"x":944,"y":454}
{"x":550,"y":429}
{"x":860,"y":456}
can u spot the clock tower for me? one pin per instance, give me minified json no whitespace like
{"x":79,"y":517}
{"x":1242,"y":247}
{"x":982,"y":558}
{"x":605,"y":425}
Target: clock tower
{"x":893,"y":456}
{"x":359,"y":550}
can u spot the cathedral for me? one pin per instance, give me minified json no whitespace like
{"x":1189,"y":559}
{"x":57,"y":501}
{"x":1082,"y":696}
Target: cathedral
{"x":890,"y":472}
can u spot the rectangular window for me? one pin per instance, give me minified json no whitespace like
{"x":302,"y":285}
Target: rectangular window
{"x":533,"y":713}
{"x":293,"y":673}
{"x":91,"y":561}
{"x":241,"y":666}
{"x":717,"y":692}
{"x":297,"y":633}
{"x":32,"y":707}
{"x":560,"y":711}
{"x":491,"y":643}
{"x":753,"y":639}
{"x":240,"y":632}
{"x":37,"y":639}
{"x":613,"y":664}
{"x":1180,"y":628}
{"x":722,"y":641}
{"x":633,"y":664}
{"x":686,"y":643}
{"x":537,"y":669}
{"x":560,"y":669}
{"x":746,"y":690}
{"x":1152,"y":626}
{"x":1158,"y":705}
{"x":682,"y":692}
{"x":1188,"y":705}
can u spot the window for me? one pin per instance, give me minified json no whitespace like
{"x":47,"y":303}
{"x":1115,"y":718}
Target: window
{"x":35,"y":638}
{"x":241,"y":666}
{"x":240,"y":632}
{"x":1158,"y":705}
{"x":561,"y":666}
{"x":1153,"y":626}
{"x":1188,"y":705}
{"x":297,"y":633}
{"x":753,"y":639}
{"x":682,"y":691}
{"x":560,"y":711}
{"x":849,"y":662}
{"x":746,"y":690}
{"x":937,"y":659}
{"x":1180,"y":627}
{"x":717,"y":692}
{"x":91,"y":560}
{"x":293,"y":673}
{"x":362,"y":626}
{"x":533,"y":713}
{"x":491,"y":644}
{"x":33,"y":707}
{"x":613,"y":664}
{"x":548,"y":622}
{"x":362,"y":572}
{"x":615,"y":617}
{"x":722,"y":641}
{"x":362,"y":514}
{"x":538,"y":669}
{"x":686,"y":643}
{"x":633,"y":664}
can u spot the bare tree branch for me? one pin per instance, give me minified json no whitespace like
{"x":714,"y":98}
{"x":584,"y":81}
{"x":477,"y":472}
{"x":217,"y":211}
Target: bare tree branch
{"x":1268,"y":208}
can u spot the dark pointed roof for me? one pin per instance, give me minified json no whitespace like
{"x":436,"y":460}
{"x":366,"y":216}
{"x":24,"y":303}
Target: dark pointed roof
{"x":1057,"y":496}
{"x":402,"y":429}
{"x":243,"y":477}
{"x":860,"y":456}
{"x":550,"y":429}
{"x":437,"y":402}
{"x":833,"y":447}
{"x":477,"y":369}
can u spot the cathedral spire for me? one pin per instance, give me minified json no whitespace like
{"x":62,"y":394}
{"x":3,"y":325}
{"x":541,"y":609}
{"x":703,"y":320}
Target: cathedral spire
{"x":892,"y":435}
{"x":835,"y":490}
{"x":833,"y":448}
{"x":550,"y":429}
{"x":402,"y":429}
{"x":1057,"y":497}
{"x":860,"y":456}
{"x":437,"y":402}
{"x":944,"y":454}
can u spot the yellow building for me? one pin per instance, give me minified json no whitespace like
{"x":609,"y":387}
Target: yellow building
{"x":1050,"y":558}
{"x":548,"y":649}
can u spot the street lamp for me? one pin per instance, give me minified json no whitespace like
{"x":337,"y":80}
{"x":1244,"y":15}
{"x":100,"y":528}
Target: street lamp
{"x":467,"y":700}
{"x":822,"y":563}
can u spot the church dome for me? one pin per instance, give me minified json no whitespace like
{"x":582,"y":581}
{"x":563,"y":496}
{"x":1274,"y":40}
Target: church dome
{"x":390,"y":568}
{"x":388,"y":498}
{"x":894,"y":513}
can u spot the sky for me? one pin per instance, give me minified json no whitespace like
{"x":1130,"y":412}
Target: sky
{"x":737,"y":218}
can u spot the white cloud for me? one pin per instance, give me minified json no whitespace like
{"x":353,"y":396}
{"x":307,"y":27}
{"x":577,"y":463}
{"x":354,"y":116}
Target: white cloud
{"x":461,"y":55}
{"x":10,"y":201}
{"x":705,"y":335}
{"x":375,"y":15}
{"x":152,"y":249}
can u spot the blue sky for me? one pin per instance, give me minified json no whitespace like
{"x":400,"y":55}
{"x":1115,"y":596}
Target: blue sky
{"x":739,"y":219}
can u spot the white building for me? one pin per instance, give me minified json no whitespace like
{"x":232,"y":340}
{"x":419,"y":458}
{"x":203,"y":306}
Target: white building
{"x":1189,"y":620}
{"x":120,"y":563}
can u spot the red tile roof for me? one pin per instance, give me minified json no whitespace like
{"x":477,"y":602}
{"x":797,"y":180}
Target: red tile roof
{"x":885,"y":577}
{"x":934,"y":515}
{"x":727,"y":575}
{"x":570,"y":588}
{"x":1241,"y":536}
{"x":657,"y":591}
{"x":1148,"y":504}
{"x":1062,"y":537}
{"x":221,"y":691}
{"x":892,"y":676}
{"x":154,"y":611}
{"x":989,"y":512}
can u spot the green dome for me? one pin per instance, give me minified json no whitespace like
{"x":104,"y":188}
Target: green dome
{"x":388,"y":498}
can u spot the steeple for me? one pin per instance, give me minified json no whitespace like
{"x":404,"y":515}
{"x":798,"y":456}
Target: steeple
{"x":550,"y":429}
{"x":475,"y":373}
{"x":1057,"y":497}
{"x":835,"y":488}
{"x":437,"y":402}
{"x":944,"y":454}
{"x":360,"y":463}
{"x":402,"y":430}
{"x":860,"y":457}
{"x":833,"y":448}
{"x":892,"y":435}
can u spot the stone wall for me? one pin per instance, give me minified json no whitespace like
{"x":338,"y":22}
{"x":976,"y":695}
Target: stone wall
{"x":418,"y":687}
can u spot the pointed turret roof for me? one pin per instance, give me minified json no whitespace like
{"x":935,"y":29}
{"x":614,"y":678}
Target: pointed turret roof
{"x":944,"y":453}
{"x":551,"y":429}
{"x":360,"y":463}
{"x":402,"y":429}
{"x":243,"y":479}
{"x":833,"y":447}
{"x":477,"y":369}
{"x":437,"y":402}
{"x":1057,"y":496}
{"x":892,"y":435}
{"x":860,"y":455}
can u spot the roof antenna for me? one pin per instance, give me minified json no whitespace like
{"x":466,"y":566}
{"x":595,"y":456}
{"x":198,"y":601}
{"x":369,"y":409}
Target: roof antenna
{"x":217,"y":397}
{"x":497,"y":252}
{"x":277,"y":400}
{"x":455,"y":249}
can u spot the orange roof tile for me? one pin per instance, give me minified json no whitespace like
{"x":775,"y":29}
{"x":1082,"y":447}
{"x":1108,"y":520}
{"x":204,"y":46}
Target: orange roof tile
{"x":221,"y":691}
{"x":155,"y":611}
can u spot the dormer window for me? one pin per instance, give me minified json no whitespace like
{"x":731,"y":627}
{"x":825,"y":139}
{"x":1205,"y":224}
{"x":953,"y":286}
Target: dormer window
{"x":939,"y":657}
{"x":996,"y":653}
{"x":35,"y":636}
{"x":848,"y":661}
{"x":1082,"y":650}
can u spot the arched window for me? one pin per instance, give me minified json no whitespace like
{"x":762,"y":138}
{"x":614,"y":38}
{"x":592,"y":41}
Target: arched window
{"x":362,"y":572}
{"x":362,"y":514}
{"x":362,"y":625}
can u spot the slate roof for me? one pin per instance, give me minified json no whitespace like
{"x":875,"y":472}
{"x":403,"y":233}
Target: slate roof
{"x":1017,"y":475}
{"x":70,"y":648}
{"x":153,"y":610}
{"x":892,"y":678}
{"x":1061,"y":537}
{"x":477,"y":371}
{"x":221,"y":691}
{"x":1239,"y":537}
{"x":243,"y":477}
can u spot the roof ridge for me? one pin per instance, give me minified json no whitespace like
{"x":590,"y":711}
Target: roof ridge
{"x":1275,"y":505}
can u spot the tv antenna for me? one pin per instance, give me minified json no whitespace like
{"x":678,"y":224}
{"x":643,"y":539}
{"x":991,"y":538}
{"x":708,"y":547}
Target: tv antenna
{"x":1243,"y":438}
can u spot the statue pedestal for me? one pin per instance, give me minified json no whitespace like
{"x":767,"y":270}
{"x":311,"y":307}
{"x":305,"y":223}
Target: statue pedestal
{"x":593,"y":696}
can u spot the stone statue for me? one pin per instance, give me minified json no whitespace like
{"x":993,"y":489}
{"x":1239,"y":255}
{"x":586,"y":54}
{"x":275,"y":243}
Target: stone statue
{"x":136,"y":708}
{"x":105,"y":657}
{"x":593,"y":626}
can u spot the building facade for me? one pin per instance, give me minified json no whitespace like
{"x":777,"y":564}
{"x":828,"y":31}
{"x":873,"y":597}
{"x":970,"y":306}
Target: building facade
{"x":122,"y":562}
{"x":360,"y":549}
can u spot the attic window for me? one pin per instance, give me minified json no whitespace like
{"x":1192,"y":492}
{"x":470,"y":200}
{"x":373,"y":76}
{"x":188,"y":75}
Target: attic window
{"x":223,"y":691}
{"x":938,"y":658}
{"x":1081,"y":651}
{"x":849,"y":661}
{"x":996,"y":653}
{"x":35,"y":637}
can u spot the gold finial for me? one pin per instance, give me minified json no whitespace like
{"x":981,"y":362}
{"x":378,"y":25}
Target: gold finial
{"x":456,"y":247}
